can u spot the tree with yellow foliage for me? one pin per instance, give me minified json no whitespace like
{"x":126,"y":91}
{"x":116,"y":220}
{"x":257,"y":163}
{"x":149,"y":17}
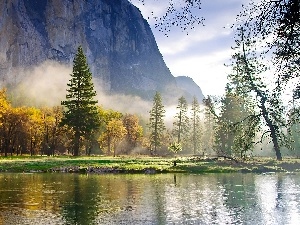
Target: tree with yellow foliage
{"x":111,"y":130}
{"x":4,"y":104}
{"x":133,"y":131}
{"x":115,"y":132}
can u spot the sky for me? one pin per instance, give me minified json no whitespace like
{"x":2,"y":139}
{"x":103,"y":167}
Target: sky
{"x":203,"y":53}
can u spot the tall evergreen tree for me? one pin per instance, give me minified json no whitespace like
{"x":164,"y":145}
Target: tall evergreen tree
{"x":156,"y":123}
{"x":228,"y":116}
{"x":181,"y":124}
{"x":210,"y":120}
{"x":196,"y":133}
{"x":81,"y":114}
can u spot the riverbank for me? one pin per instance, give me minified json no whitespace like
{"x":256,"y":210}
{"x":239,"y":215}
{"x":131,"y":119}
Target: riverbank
{"x":148,"y":165}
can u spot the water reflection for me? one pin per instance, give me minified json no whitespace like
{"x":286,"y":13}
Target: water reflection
{"x":149,"y":199}
{"x":278,"y":199}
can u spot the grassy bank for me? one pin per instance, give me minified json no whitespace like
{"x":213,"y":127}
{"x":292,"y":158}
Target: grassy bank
{"x":132,"y":164}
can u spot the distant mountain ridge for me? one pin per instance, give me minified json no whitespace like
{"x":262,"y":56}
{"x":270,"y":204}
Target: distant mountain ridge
{"x":188,"y":85}
{"x":119,"y":44}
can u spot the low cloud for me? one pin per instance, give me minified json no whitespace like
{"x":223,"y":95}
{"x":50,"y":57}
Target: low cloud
{"x":123,"y":103}
{"x":46,"y":85}
{"x":42,"y":85}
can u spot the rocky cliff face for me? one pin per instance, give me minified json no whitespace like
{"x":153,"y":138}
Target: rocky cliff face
{"x":118,"y":42}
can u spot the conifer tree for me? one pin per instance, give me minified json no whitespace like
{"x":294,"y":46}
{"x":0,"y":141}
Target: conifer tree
{"x":156,"y":123}
{"x":196,"y":133}
{"x":81,"y":114}
{"x":210,"y":120}
{"x":181,"y":124}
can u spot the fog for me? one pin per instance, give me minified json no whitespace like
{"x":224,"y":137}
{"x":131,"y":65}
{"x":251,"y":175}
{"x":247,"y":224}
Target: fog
{"x":43,"y":85}
{"x":122,"y":103}
{"x":46,"y":85}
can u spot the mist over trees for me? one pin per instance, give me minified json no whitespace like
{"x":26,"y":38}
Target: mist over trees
{"x":228,"y":127}
{"x":42,"y":131}
{"x":80,"y":126}
{"x":254,"y":109}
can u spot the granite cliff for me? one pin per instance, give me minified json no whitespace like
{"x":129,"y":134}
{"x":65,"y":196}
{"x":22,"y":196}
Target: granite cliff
{"x":118,"y":42}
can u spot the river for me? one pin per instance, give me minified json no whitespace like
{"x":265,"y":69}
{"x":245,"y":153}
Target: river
{"x":58,"y":198}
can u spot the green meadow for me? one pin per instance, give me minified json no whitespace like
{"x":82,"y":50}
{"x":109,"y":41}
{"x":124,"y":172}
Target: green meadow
{"x":143,"y":164}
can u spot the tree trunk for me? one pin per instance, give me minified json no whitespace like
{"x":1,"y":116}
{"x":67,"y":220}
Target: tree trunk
{"x":114,"y":146}
{"x":275,"y":143}
{"x":265,"y":114}
{"x":5,"y":146}
{"x":179,"y":129}
{"x":76,"y":143}
{"x":194,"y":136}
{"x":272,"y":130}
{"x":108,"y":145}
{"x":31,"y":150}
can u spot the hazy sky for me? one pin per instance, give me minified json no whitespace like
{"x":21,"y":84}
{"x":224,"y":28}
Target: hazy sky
{"x":202,"y":53}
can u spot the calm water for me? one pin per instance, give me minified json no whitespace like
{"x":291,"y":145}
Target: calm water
{"x":149,"y":199}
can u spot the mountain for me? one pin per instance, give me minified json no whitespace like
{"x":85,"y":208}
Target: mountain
{"x":119,"y":44}
{"x":188,"y":85}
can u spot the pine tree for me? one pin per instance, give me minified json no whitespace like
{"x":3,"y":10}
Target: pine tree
{"x":210,"y":120}
{"x":196,"y":133}
{"x":156,"y":123}
{"x":181,"y":124}
{"x":81,"y":114}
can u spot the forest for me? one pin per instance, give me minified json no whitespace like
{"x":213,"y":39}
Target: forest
{"x":257,"y":109}
{"x":231,"y":126}
{"x":228,"y":126}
